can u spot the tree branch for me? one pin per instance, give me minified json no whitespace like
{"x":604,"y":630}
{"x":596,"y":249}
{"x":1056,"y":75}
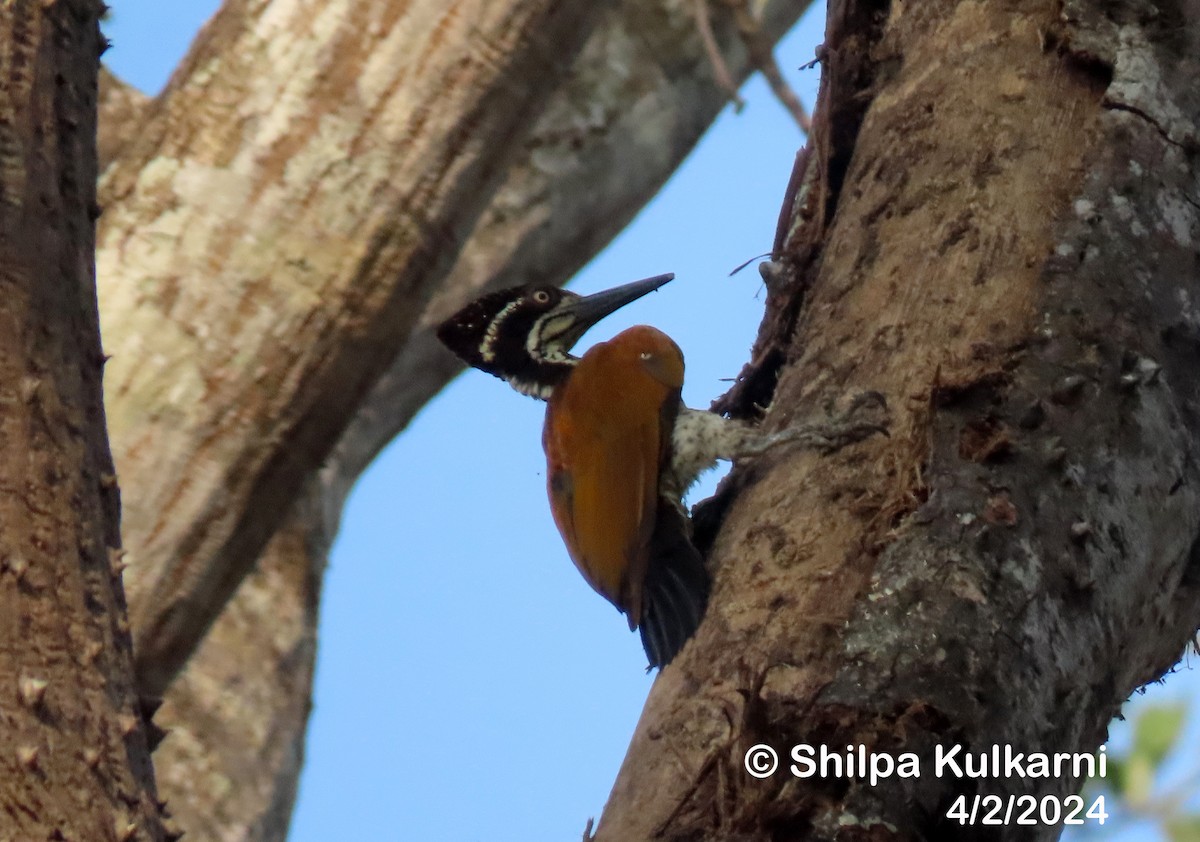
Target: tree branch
{"x":74,"y":760}
{"x":323,"y":267}
{"x":230,"y":766}
{"x":1023,"y":551}
{"x":237,"y":713}
{"x":121,"y":108}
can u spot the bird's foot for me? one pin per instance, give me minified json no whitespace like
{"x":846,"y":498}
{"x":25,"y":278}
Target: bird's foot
{"x":866,"y":416}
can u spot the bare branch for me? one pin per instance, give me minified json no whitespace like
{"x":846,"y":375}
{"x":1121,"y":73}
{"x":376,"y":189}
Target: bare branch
{"x":1024,"y":551}
{"x":285,"y":190}
{"x":762,"y":57}
{"x":719,"y":68}
{"x":122,"y":110}
{"x":584,"y":171}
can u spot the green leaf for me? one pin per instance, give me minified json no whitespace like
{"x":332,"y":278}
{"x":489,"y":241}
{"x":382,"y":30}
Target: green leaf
{"x":1156,"y":730}
{"x":1183,"y":828}
{"x":1138,"y":781}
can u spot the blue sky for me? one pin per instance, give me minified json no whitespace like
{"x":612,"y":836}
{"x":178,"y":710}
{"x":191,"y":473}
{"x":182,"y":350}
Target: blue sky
{"x":469,"y":684}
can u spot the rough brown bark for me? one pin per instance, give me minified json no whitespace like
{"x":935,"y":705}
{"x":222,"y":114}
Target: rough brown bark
{"x":998,"y":230}
{"x":637,"y":99}
{"x":74,"y":762}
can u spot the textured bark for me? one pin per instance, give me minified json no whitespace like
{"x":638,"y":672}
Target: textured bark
{"x":276,"y":277}
{"x":121,"y":112}
{"x":997,"y":228}
{"x":74,"y":762}
{"x":636,"y":101}
{"x":238,"y":711}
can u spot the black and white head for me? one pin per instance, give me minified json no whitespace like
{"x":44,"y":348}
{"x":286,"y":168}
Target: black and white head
{"x":524,"y":335}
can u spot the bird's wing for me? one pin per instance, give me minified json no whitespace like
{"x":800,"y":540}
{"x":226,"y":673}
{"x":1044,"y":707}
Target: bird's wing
{"x":605,"y":440}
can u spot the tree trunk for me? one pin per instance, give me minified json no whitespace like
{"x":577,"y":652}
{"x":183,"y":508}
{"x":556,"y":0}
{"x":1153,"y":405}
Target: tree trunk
{"x":74,"y":762}
{"x":997,"y":228}
{"x":594,"y":149}
{"x":323,"y":268}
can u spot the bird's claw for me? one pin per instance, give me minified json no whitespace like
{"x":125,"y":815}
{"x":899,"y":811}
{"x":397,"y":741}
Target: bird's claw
{"x":851,"y":426}
{"x":843,"y":429}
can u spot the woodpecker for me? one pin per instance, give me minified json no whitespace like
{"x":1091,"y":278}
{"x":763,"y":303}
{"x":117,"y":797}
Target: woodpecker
{"x":621,"y":447}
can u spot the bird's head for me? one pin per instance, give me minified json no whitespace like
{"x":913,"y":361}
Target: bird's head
{"x":524,"y":335}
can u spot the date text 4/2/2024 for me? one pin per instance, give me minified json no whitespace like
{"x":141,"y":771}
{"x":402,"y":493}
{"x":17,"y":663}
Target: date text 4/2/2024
{"x":1025,"y":810}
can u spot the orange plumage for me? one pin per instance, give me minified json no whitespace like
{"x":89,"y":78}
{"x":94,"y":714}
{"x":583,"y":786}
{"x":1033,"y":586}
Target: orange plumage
{"x":607,"y":438}
{"x":615,"y":476}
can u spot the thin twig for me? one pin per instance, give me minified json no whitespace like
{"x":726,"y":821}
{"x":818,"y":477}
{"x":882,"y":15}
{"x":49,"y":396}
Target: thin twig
{"x":763,"y":58}
{"x":715,"y":58}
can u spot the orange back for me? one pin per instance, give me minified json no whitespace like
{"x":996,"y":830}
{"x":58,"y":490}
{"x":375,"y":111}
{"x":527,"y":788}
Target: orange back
{"x":607,"y":434}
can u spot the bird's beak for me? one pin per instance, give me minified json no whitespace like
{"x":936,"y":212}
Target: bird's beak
{"x":586,"y":311}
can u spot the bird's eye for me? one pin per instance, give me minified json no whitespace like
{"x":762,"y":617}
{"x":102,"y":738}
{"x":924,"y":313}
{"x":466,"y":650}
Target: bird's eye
{"x":541,"y":297}
{"x":645,"y":355}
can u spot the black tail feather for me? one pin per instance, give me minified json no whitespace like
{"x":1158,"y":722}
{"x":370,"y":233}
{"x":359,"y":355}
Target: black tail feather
{"x":676,"y":591}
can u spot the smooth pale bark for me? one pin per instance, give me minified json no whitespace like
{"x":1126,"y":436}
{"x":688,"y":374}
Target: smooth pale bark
{"x":238,"y":712}
{"x":998,"y":229}
{"x":269,"y":238}
{"x":637,"y":99}
{"x":74,"y":762}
